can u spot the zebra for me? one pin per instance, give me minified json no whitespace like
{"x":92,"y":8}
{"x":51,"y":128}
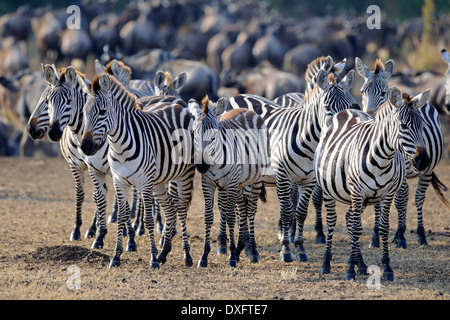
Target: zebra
{"x":142,"y":152}
{"x":295,"y":99}
{"x":231,"y":152}
{"x":375,"y":92}
{"x":360,"y":161}
{"x":294,"y":135}
{"x":446,"y":57}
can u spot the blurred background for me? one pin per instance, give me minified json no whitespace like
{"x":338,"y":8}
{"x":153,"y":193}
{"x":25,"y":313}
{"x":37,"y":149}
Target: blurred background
{"x":226,"y":47}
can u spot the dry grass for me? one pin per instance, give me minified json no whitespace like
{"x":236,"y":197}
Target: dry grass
{"x":37,"y":214}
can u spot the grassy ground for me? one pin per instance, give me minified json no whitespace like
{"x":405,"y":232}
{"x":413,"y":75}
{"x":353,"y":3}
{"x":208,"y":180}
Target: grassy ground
{"x":37,"y":260}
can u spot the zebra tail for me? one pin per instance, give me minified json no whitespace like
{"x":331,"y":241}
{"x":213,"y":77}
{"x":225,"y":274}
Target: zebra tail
{"x":440,"y":188}
{"x":263,"y":194}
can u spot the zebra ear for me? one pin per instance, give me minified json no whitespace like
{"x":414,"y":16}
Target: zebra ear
{"x":347,"y":82}
{"x":180,"y":80}
{"x":194,"y":108}
{"x":115,"y":67}
{"x":83,"y":85}
{"x":389,"y":69}
{"x":421,"y":99}
{"x":395,"y":96}
{"x":361,"y":68}
{"x":322,"y":79}
{"x":51,"y":75}
{"x":328,"y":64}
{"x":71,"y":76}
{"x":105,"y":82}
{"x":99,"y":68}
{"x":220,"y":106}
{"x":42,"y":68}
{"x":339,"y":67}
{"x":160,"y":77}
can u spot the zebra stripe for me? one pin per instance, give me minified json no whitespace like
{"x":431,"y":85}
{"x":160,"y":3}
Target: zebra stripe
{"x":375,"y":92}
{"x":231,"y":151}
{"x":360,"y":161}
{"x":141,"y":153}
{"x":294,"y":136}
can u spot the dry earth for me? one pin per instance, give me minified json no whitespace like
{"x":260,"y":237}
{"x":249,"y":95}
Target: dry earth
{"x":37,"y":260}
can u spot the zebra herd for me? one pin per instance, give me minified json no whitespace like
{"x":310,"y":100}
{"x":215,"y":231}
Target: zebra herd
{"x":318,"y":143}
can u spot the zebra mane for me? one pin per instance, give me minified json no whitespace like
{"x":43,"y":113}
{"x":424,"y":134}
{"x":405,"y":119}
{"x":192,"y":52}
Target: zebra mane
{"x":108,"y":68}
{"x":116,"y":86}
{"x":332,"y":79}
{"x":379,"y":66}
{"x":205,"y":105}
{"x":169,"y":78}
{"x":406,"y":98}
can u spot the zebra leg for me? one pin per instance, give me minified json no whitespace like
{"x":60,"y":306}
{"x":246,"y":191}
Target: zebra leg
{"x":222,"y":237}
{"x":138,"y":225}
{"x":294,"y":197}
{"x":147,"y":199}
{"x":134,"y":203}
{"x":388,"y":273}
{"x":300,"y":215}
{"x":121,"y":196}
{"x":173,"y":191}
{"x":330,"y":205}
{"x":401,"y":203}
{"x":362,"y":267}
{"x":99,"y":180}
{"x":129,"y":231}
{"x":78,"y":175}
{"x":186,"y":185}
{"x":252,"y":206}
{"x":375,"y":240}
{"x":354,"y":220}
{"x":170,"y":213}
{"x":157,"y":216}
{"x":241,"y":203}
{"x":208,"y":195}
{"x":284,"y":197}
{"x":227,"y":201}
{"x":424,"y":182}
{"x":317,"y":198}
{"x":113,"y":216}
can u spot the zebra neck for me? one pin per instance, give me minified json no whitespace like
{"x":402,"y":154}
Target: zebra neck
{"x":77,"y":123}
{"x":383,"y":140}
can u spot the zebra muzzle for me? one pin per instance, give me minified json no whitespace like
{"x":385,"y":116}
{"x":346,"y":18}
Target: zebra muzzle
{"x":421,"y":161}
{"x":33,"y":132}
{"x":87,"y":144}
{"x":55,"y":132}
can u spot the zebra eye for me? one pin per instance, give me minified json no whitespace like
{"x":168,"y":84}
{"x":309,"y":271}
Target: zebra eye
{"x":102,"y":112}
{"x":403,"y":126}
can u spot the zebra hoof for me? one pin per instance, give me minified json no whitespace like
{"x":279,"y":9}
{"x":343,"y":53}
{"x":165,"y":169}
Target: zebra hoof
{"x":254,"y":259}
{"x":320,"y":239}
{"x":374,"y":243}
{"x":131,"y":247}
{"x":115,"y":262}
{"x":302,"y":257}
{"x":154,"y":264}
{"x":97,"y":244}
{"x":388,"y":276}
{"x":350,"y":276}
{"x":362,"y":271}
{"x":89,"y":234}
{"x":188,"y":260}
{"x":325,"y":270}
{"x":286,"y":257}
{"x":401,"y":244}
{"x":232,"y":263}
{"x":202,"y":264}
{"x":141,"y":231}
{"x":423,"y":241}
{"x":75,"y":235}
{"x":221,"y":249}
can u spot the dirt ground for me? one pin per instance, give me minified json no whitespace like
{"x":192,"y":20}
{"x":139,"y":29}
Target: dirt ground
{"x":37,"y":260}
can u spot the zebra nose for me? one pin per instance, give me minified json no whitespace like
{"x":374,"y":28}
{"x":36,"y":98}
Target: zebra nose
{"x":55,"y":133}
{"x":422,"y":160}
{"x":88,"y":147}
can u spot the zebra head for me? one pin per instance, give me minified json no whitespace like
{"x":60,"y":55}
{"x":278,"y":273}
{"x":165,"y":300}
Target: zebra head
{"x":325,"y":63}
{"x":65,"y":100}
{"x":409,"y":124}
{"x":446,"y":56}
{"x":375,"y":89}
{"x":39,"y":120}
{"x":205,"y":130}
{"x":335,"y":96}
{"x":166,"y":86}
{"x":98,"y":112}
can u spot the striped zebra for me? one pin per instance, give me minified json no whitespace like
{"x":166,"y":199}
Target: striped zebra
{"x":360,"y":161}
{"x":446,"y":57}
{"x":143,"y":153}
{"x":294,"y":136}
{"x":375,"y":92}
{"x":295,"y":99}
{"x":231,"y":152}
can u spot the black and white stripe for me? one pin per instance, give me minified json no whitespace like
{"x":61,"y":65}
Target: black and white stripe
{"x":360,"y":161}
{"x":294,"y":136}
{"x":142,"y":152}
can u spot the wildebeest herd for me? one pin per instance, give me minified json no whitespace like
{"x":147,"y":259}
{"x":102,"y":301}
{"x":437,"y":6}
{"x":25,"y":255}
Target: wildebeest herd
{"x":233,"y":107}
